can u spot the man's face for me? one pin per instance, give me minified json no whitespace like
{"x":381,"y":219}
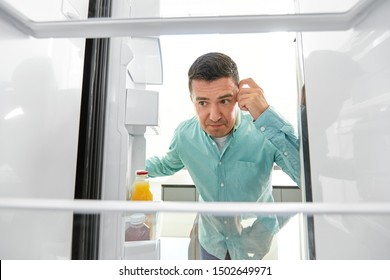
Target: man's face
{"x":215,"y":105}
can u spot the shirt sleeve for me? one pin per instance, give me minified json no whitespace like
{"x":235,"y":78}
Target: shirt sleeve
{"x":256,"y":240}
{"x":165,"y":165}
{"x":281,"y":134}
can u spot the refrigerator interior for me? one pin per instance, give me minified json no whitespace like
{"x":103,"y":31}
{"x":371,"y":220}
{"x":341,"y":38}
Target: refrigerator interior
{"x":340,"y":94}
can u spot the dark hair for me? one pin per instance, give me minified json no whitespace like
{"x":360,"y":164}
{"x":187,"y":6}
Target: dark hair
{"x":213,"y":66}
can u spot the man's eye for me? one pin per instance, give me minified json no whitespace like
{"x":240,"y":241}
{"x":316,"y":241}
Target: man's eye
{"x":202,"y":103}
{"x":225,"y":101}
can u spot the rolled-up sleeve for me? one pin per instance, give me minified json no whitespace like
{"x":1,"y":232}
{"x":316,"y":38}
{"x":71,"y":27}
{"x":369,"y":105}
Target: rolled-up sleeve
{"x":281,"y":134}
{"x":165,"y":165}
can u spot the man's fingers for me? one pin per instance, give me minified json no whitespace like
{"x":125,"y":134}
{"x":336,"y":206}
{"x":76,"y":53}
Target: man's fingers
{"x":247,"y":83}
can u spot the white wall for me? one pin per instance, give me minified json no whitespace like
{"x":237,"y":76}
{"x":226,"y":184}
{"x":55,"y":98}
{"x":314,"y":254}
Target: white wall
{"x":267,"y":58}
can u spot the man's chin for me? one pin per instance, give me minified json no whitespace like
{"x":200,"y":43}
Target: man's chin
{"x":217,"y":133}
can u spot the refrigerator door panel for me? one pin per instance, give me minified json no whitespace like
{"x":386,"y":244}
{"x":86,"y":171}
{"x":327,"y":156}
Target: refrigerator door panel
{"x":134,"y":63}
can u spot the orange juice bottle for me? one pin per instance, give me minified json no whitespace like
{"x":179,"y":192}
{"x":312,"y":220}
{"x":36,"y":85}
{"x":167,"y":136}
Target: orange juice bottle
{"x":141,"y":188}
{"x":141,"y":191}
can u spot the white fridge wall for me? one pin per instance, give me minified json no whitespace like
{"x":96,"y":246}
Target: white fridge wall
{"x":40,"y":93}
{"x":348,"y":104}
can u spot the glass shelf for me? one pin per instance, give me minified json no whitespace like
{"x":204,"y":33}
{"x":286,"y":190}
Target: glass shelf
{"x":73,"y":10}
{"x":69,"y":18}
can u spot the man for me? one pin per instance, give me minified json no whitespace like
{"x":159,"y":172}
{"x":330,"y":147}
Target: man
{"x":229,"y":150}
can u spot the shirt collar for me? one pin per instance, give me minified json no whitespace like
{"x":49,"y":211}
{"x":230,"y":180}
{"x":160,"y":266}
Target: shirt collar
{"x":238,"y":119}
{"x":237,"y":122}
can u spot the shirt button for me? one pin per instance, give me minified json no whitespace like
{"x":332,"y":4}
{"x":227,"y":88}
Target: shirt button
{"x":225,"y":222}
{"x":222,"y":185}
{"x":262,"y":128}
{"x":227,"y":238}
{"x":220,"y":163}
{"x":285,"y":153}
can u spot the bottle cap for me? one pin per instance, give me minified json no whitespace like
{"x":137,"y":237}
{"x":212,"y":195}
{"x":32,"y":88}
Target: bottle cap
{"x":142,"y":172}
{"x":137,"y":219}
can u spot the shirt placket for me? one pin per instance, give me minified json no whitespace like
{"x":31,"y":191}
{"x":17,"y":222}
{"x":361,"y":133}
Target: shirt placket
{"x":226,"y":221}
{"x":222,"y":184}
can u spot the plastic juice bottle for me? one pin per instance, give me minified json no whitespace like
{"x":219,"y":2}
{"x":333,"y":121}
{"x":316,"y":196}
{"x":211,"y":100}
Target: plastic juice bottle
{"x":137,"y":230}
{"x":141,"y":192}
{"x":141,"y":187}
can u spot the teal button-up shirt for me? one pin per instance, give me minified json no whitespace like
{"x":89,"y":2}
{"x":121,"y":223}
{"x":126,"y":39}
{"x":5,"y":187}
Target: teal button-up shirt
{"x":241,"y":172}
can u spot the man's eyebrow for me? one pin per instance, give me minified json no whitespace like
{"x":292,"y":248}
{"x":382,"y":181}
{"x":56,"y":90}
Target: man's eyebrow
{"x":226,"y":96}
{"x":202,"y":98}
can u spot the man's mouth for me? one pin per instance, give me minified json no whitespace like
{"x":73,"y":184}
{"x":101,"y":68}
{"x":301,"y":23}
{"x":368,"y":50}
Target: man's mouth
{"x":215,"y":125}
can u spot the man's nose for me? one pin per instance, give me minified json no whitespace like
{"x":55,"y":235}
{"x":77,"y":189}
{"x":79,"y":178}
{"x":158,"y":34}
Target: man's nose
{"x":215,"y":114}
